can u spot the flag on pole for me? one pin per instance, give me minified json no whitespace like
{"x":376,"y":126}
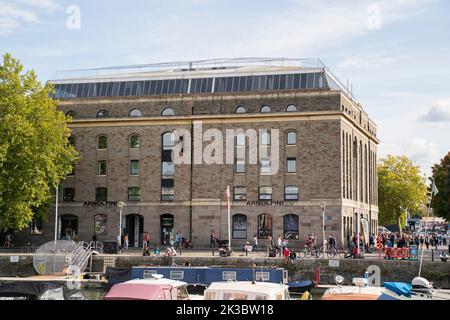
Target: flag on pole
{"x":434,"y":189}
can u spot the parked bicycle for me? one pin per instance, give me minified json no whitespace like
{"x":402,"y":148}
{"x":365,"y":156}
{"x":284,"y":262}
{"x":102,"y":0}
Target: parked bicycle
{"x":313,"y":251}
{"x":29,"y":247}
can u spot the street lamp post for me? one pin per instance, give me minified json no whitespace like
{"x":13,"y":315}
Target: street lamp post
{"x":322,"y":205}
{"x":121,"y":203}
{"x":56,"y":215}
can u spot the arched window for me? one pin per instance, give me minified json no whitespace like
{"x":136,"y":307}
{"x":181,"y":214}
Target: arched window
{"x":70,"y":113}
{"x":135,"y":141}
{"x":102,"y":142}
{"x":291,"y":108}
{"x":239,"y":226}
{"x":264,"y":138}
{"x":100,"y":224}
{"x":290,"y":226}
{"x":265,"y":109}
{"x":264,"y":226}
{"x":168,"y":140}
{"x":241,"y":109}
{"x":168,"y":112}
{"x":102,"y":114}
{"x":135,"y":113}
{"x":291,"y":138}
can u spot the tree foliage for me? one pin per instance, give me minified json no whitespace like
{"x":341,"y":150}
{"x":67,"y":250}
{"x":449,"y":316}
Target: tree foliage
{"x":400,"y":188}
{"x":35,"y":154}
{"x":441,"y":176}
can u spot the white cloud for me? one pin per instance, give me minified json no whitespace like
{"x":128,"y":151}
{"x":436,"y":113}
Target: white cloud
{"x":365,"y":61}
{"x":15,"y":13}
{"x":440,"y":112}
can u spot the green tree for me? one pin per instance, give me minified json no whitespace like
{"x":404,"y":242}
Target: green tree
{"x":400,"y":188}
{"x":35,"y":153}
{"x":441,"y":176}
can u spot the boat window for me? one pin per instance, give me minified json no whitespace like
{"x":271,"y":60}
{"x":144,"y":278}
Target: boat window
{"x":177,"y":274}
{"x":235,"y":296}
{"x":174,"y":294}
{"x":229,"y":275}
{"x":260,"y":297}
{"x":53,"y":294}
{"x":262,"y":276}
{"x":182,"y":293}
{"x":148,"y":274}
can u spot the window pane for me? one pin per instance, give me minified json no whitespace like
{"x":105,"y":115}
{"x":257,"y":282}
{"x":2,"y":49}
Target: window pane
{"x":115,"y":90}
{"x":101,"y":194}
{"x":291,"y":193}
{"x":135,"y":113}
{"x":68,"y":194}
{"x":168,"y":112}
{"x":240,"y":193}
{"x":291,"y":108}
{"x":265,"y":193}
{"x":134,"y":194}
{"x":240,"y":139}
{"x":265,"y":138}
{"x":240,"y":166}
{"x":290,"y":226}
{"x":102,"y":142}
{"x":102,"y":168}
{"x":264,"y":226}
{"x":290,"y":81}
{"x":291,"y":165}
{"x":265,"y":166}
{"x":239,"y":226}
{"x":135,"y":141}
{"x":134,"y":167}
{"x":265,"y":109}
{"x":167,"y":183}
{"x":36,"y":226}
{"x":168,"y":169}
{"x":291,"y":138}
{"x":283,"y":82}
{"x":168,"y":140}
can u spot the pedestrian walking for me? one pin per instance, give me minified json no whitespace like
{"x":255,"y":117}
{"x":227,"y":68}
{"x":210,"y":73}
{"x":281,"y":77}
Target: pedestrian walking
{"x":255,"y":243}
{"x":178,"y":241}
{"x":427,"y":242}
{"x":213,"y":240}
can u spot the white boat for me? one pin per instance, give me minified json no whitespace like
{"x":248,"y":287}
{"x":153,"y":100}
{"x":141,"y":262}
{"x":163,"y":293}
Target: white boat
{"x":246,"y":290}
{"x":359,"y":291}
{"x":419,"y":289}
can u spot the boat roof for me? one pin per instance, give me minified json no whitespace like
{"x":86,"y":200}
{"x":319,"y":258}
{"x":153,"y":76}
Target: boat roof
{"x":157,"y":282}
{"x":142,"y":289}
{"x":248,"y":286}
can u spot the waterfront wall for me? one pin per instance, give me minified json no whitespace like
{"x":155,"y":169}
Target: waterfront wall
{"x":302,"y":269}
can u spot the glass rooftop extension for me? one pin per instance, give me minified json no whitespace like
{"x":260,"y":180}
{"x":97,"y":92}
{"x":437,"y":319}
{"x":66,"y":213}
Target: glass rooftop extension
{"x":197,"y":77}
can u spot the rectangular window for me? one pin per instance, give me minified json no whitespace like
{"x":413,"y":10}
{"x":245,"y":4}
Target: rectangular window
{"x":291,"y":165}
{"x":239,"y":167}
{"x":168,"y":169}
{"x":167,"y":193}
{"x":265,"y":193}
{"x":291,"y":193}
{"x":167,"y":156}
{"x":101,"y":170}
{"x":134,"y":167}
{"x":134,"y":194}
{"x":265,"y":166}
{"x":167,"y":183}
{"x":101,"y":194}
{"x":240,"y":193}
{"x":68,"y":194}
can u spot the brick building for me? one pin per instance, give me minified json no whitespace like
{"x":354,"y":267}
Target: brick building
{"x":123,"y":124}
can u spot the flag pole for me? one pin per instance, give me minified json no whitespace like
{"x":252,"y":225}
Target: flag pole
{"x":433,"y":189}
{"x":229,"y":214}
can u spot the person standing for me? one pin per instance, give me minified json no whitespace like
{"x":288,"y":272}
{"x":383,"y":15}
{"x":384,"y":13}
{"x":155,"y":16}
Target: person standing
{"x":427,"y":242}
{"x":279,"y":246}
{"x":213,"y":240}
{"x":178,"y":240}
{"x":125,"y":242}
{"x":255,"y":243}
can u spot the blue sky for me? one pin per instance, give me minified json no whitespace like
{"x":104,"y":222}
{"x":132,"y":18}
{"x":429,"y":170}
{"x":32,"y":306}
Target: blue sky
{"x":396,"y":53}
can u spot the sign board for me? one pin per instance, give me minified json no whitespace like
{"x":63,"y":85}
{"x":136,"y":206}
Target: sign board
{"x":14,"y":259}
{"x":413,"y":253}
{"x":333,"y":263}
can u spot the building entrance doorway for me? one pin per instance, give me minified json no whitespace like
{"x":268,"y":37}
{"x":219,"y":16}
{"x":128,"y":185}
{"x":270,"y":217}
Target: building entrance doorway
{"x":134,"y":227}
{"x":167,"y":228}
{"x":68,"y":227}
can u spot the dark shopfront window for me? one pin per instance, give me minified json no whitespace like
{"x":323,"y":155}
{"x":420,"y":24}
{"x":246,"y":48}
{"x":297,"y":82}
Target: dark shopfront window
{"x":68,"y":194}
{"x":290,"y":226}
{"x":101,"y":194}
{"x":36,"y":226}
{"x":264,"y":226}
{"x":239,"y":226}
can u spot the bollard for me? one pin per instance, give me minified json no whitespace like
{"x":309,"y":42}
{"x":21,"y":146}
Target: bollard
{"x":432,"y":254}
{"x":317,"y":277}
